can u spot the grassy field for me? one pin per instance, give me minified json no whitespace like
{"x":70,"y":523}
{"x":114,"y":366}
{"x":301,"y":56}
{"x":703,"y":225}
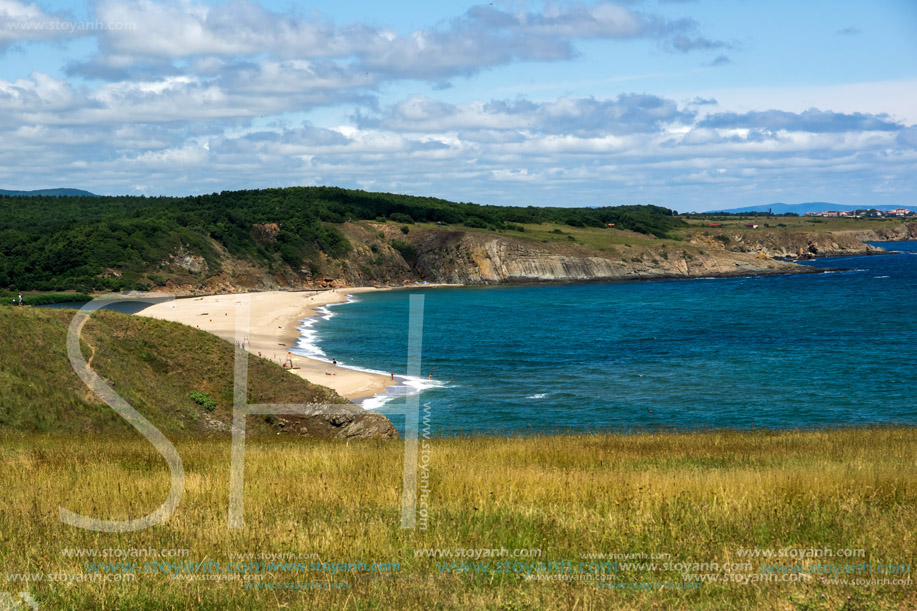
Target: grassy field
{"x":797,"y":223}
{"x":661,"y":498}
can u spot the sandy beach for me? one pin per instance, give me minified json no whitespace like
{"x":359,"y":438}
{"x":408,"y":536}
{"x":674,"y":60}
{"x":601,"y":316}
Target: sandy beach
{"x":273,"y":332}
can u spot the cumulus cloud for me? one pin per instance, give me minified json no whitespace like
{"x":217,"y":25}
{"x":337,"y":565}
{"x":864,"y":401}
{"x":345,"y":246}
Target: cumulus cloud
{"x":184,"y":61}
{"x":626,"y":114}
{"x":812,"y":120}
{"x":231,"y":95}
{"x":20,"y":21}
{"x":908,"y":137}
{"x":483,"y":36}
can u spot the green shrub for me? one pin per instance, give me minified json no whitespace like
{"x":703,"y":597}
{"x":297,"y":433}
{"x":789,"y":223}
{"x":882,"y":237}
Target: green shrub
{"x":401,"y":217}
{"x":475,"y":222}
{"x":204,"y":400}
{"x":407,"y":251}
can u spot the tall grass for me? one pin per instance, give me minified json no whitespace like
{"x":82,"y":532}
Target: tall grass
{"x":699,"y":497}
{"x":154,"y":365}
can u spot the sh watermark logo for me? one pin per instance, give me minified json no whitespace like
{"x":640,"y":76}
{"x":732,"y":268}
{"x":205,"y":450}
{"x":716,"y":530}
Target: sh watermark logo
{"x":241,"y":410}
{"x":23,"y":600}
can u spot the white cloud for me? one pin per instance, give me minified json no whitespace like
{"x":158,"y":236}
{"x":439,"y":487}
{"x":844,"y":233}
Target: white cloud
{"x":626,"y":114}
{"x":894,"y":97}
{"x":483,"y":36}
{"x":20,"y":21}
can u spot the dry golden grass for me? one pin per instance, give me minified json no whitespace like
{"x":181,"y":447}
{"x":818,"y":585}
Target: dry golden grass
{"x":699,"y":497}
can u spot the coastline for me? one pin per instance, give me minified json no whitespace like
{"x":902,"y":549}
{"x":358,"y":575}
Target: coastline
{"x":275,"y":317}
{"x":277,"y":322}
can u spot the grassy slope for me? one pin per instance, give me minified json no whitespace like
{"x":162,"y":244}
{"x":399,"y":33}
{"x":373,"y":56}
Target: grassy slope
{"x":600,"y":241}
{"x":800,"y":223}
{"x":154,"y":365}
{"x":698,"y":497}
{"x":608,"y":243}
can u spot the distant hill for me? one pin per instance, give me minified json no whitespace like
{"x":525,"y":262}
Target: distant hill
{"x":779,"y":208}
{"x":50,"y":193}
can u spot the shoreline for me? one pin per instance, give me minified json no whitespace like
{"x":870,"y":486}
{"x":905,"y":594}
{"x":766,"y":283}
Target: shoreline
{"x":277,"y":318}
{"x":274,"y":332}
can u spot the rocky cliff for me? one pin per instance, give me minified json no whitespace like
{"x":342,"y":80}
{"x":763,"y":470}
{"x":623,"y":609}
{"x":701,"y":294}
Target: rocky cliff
{"x":804,"y":245}
{"x":383,"y":254}
{"x":474,"y":258}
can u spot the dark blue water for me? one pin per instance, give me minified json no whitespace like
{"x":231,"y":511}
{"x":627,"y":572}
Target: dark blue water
{"x":797,"y":351}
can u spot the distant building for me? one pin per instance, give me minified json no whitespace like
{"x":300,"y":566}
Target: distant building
{"x":714,"y":224}
{"x":751,"y":225}
{"x":832,"y":213}
{"x":899,"y":212}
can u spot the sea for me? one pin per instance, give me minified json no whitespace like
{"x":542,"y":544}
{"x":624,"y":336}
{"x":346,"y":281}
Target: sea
{"x":835,"y":348}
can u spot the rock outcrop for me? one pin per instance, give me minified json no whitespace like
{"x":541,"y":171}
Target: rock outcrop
{"x":478,"y":258}
{"x":805,"y":245}
{"x":340,"y":421}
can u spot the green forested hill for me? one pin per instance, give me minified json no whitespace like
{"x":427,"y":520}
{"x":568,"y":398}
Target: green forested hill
{"x":114,"y":243}
{"x":51,"y":192}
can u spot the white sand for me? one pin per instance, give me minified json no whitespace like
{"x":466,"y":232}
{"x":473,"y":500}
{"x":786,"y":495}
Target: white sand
{"x":272,"y":333}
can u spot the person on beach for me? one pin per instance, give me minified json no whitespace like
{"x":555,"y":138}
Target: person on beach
{"x":20,"y":298}
{"x":334,"y":361}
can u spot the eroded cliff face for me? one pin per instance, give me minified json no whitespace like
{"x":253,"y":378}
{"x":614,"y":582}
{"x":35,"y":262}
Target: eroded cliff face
{"x":383,"y":255}
{"x":804,"y":245}
{"x":473,"y":258}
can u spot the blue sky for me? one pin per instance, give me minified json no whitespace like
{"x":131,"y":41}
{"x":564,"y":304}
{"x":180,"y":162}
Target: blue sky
{"x":689,"y":104}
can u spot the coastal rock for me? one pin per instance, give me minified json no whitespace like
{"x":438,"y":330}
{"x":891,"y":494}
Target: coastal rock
{"x":806,"y":245}
{"x":474,"y":258}
{"x":340,"y":421}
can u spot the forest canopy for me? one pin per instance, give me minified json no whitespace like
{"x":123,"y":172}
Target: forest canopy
{"x":110,"y":243}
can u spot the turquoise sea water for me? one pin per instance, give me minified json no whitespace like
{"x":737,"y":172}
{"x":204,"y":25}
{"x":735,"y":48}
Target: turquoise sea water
{"x":799,"y":351}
